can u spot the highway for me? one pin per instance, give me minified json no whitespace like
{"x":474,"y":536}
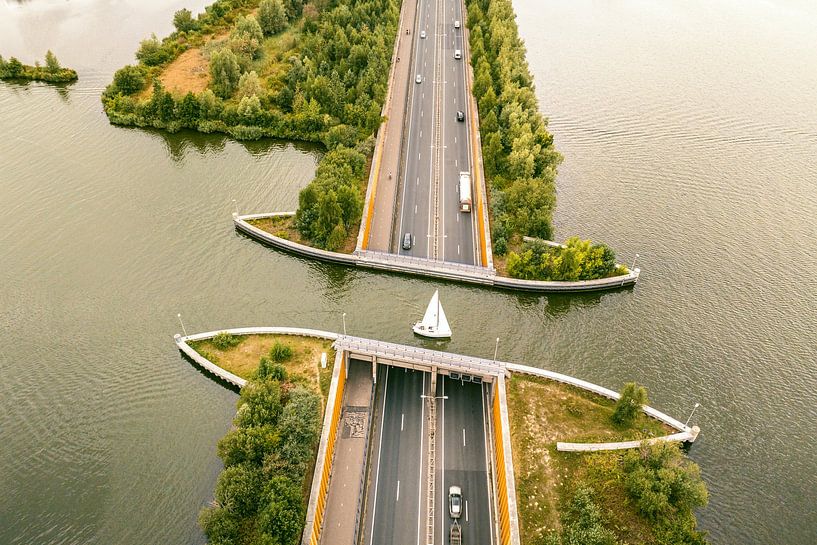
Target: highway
{"x":462,"y":461}
{"x":395,"y":510}
{"x":436,"y":145}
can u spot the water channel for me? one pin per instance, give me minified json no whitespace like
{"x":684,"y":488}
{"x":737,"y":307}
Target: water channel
{"x":690,"y":137}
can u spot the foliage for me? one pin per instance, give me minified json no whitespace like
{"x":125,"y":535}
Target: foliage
{"x":52,"y":72}
{"x":153,"y":53}
{"x":280,"y":352}
{"x":225,"y":341}
{"x":517,"y":148}
{"x":633,"y":398}
{"x":246,"y":38}
{"x":272,"y":16}
{"x":582,"y":522}
{"x":577,"y":260}
{"x":259,"y":495}
{"x":184,"y":22}
{"x":128,"y":80}
{"x":225,"y":72}
{"x":249,"y":85}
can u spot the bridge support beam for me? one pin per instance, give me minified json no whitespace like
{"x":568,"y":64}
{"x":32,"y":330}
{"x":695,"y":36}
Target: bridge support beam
{"x":433,"y":391}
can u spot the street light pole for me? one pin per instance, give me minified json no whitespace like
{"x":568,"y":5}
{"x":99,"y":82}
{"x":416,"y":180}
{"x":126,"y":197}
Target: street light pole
{"x":686,"y":424}
{"x":344,"y":323}
{"x":496,"y":349}
{"x":181,"y":322}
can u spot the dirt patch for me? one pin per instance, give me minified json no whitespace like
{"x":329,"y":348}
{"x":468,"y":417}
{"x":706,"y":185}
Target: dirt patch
{"x":190,"y":72}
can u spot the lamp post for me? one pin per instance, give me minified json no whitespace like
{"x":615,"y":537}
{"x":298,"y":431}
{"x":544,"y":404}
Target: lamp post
{"x":344,"y":323}
{"x":496,"y":349}
{"x":686,"y":424}
{"x":634,"y":260}
{"x":181,"y":322}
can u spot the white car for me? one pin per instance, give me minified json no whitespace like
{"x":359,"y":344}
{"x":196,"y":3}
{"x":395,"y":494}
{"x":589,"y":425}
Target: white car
{"x":455,"y":502}
{"x":418,"y":79}
{"x":456,"y":24}
{"x":422,"y":34}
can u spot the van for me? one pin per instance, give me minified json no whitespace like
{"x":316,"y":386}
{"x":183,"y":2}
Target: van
{"x":407,"y":241}
{"x":456,"y":24}
{"x":457,"y":54}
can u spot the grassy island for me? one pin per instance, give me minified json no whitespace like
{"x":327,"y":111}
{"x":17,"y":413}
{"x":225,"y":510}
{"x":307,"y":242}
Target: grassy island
{"x":519,"y":157}
{"x":269,"y":454}
{"x":52,"y":72}
{"x":638,"y":496}
{"x":313,"y":71}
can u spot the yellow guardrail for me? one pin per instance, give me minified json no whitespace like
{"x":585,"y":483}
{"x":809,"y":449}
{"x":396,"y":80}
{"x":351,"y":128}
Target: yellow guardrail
{"x":376,"y":169}
{"x":327,"y":461}
{"x":501,"y":479}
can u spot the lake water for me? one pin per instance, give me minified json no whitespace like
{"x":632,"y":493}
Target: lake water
{"x":690,"y":136}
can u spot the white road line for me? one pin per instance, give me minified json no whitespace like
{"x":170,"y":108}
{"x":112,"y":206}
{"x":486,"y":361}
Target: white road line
{"x":466,"y":510}
{"x":442,"y":462}
{"x":403,"y":419}
{"x":484,"y":396}
{"x":456,"y":163}
{"x":379,"y":449}
{"x":418,"y":183}
{"x":398,"y":491}
{"x":463,"y":429}
{"x":415,"y":208}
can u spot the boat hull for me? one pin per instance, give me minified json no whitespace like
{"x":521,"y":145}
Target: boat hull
{"x":429,"y":332}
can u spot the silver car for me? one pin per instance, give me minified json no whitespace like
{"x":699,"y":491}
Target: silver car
{"x":422,"y":34}
{"x":418,"y":79}
{"x":455,"y":502}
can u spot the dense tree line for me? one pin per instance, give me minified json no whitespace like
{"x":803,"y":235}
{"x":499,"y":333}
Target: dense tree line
{"x":330,"y":90}
{"x":518,"y":153}
{"x":52,"y":72}
{"x":267,"y":455}
{"x":577,"y":260}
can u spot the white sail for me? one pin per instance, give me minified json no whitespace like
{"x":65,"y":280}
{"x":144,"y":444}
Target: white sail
{"x":434,"y":323}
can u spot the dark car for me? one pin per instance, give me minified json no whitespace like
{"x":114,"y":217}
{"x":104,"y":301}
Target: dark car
{"x":407,"y":241}
{"x":460,"y":115}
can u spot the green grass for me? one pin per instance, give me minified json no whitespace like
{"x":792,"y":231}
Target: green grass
{"x":543,"y":412}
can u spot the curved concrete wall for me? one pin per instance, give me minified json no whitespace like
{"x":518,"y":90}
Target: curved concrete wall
{"x":425,"y":267}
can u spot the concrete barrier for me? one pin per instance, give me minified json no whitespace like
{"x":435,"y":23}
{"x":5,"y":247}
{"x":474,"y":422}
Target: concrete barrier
{"x":682,"y":437}
{"x":506,"y":481}
{"x":426,"y":267}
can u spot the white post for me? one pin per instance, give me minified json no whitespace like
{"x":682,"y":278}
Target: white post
{"x":496,"y":349}
{"x":344,"y":324}
{"x":180,"y":321}
{"x":634,"y":260}
{"x":686,"y":424}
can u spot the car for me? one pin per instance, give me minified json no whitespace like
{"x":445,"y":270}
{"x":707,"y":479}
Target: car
{"x":407,"y":241}
{"x":455,"y":502}
{"x":423,"y":34}
{"x":460,"y":115}
{"x":418,"y":79}
{"x":456,"y":24}
{"x":457,"y":54}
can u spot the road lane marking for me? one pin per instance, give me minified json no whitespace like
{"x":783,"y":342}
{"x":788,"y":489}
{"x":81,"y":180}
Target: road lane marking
{"x":418,"y":183}
{"x":379,"y":450}
{"x":466,"y":510}
{"x":420,"y":479}
{"x":403,"y":418}
{"x":398,"y":491}
{"x":463,"y":429}
{"x":456,"y":163}
{"x":415,"y":209}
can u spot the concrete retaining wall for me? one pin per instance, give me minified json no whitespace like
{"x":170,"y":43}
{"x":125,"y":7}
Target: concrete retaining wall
{"x":506,"y":481}
{"x":426,"y":267}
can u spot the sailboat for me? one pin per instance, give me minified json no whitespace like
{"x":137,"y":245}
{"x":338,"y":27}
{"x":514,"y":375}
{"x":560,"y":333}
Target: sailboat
{"x":434,"y":323}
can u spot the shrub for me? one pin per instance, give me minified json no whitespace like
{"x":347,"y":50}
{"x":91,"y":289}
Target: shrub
{"x":249,"y":85}
{"x":184,"y":22}
{"x":280,"y":352}
{"x":129,"y":80}
{"x":583,"y":523}
{"x":51,"y":62}
{"x":225,"y":72}
{"x":272,"y":16}
{"x":152,"y":53}
{"x":225,"y":341}
{"x":633,"y":398}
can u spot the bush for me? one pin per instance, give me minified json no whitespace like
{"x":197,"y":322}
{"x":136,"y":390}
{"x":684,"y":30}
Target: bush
{"x":280,"y":352}
{"x":272,"y":16}
{"x":225,"y":72}
{"x":583,"y":523}
{"x":184,"y":22}
{"x":633,"y":398}
{"x":577,"y":260}
{"x":152,"y":53}
{"x":129,"y":80}
{"x":225,"y":341}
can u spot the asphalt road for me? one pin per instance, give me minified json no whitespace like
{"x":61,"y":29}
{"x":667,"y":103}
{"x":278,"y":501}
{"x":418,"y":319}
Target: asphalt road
{"x":395,"y":509}
{"x":436,"y":143}
{"x":463,"y":462}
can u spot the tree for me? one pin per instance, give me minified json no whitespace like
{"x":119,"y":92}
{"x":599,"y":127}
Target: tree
{"x":210,"y":104}
{"x":188,"y":110}
{"x":246,"y":37}
{"x":238,"y":489}
{"x":221,"y":525}
{"x":151,"y":52}
{"x":282,"y":512}
{"x":272,"y":16}
{"x":633,"y":397}
{"x":51,"y":62}
{"x":249,"y":109}
{"x":184,"y":22}
{"x":300,"y":425}
{"x":260,"y":404}
{"x":225,"y":72}
{"x":249,"y":85}
{"x":248,"y":445}
{"x":129,"y":79}
{"x":14,"y":68}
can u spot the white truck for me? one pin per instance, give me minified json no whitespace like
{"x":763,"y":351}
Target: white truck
{"x":465,"y":192}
